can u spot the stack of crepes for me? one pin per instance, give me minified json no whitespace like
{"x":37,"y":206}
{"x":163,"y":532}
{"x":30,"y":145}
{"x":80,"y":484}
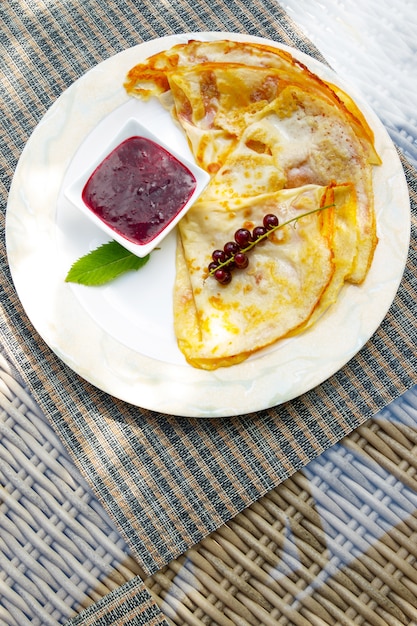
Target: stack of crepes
{"x":275,"y":139}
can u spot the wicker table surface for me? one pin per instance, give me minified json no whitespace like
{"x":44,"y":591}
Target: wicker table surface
{"x":334,"y":544}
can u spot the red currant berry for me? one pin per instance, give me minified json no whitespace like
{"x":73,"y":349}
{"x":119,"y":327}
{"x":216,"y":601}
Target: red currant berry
{"x":219,"y":256}
{"x":258,"y":231}
{"x":241,"y":260}
{"x":270,"y":221}
{"x":231,"y":248}
{"x":223,"y":276}
{"x":243,"y":237}
{"x":212,"y":266}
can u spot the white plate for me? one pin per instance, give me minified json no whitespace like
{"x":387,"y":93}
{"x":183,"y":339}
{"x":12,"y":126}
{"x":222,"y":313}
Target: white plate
{"x":120,"y":337}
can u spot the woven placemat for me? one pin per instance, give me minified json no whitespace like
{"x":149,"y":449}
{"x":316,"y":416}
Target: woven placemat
{"x":312,"y":550}
{"x":167,"y":482}
{"x":334,"y":543}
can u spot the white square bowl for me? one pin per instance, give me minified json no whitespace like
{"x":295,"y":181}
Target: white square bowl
{"x":133,"y":128}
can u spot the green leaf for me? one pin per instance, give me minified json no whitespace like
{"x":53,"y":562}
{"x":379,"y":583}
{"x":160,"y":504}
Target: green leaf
{"x":104,"y":264}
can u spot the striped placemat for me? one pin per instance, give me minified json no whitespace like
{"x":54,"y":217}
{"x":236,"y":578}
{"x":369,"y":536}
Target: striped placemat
{"x":166,"y":481}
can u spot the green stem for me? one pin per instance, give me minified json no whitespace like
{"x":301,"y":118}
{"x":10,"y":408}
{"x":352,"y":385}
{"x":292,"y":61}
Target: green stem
{"x":266,"y":235}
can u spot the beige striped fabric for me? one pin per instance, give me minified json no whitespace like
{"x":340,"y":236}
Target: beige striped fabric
{"x":167,"y":481}
{"x":130,"y":604}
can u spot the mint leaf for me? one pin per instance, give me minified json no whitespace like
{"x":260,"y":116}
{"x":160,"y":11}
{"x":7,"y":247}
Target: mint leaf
{"x":104,"y":264}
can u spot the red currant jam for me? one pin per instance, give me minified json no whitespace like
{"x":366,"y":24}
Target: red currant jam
{"x":138,"y":189}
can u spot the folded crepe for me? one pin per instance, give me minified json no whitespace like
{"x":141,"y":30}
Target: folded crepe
{"x":291,"y":278}
{"x":275,"y":139}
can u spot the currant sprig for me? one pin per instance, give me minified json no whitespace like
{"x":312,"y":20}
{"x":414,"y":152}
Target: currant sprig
{"x":234,"y":253}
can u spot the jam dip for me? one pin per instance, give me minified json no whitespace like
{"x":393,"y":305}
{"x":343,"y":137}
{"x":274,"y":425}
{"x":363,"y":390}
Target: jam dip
{"x":139,"y":189}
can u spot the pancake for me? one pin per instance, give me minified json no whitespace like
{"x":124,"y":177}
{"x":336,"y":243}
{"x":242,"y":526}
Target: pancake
{"x":309,"y":143}
{"x":207,"y":84}
{"x":275,"y":138}
{"x":277,"y":294}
